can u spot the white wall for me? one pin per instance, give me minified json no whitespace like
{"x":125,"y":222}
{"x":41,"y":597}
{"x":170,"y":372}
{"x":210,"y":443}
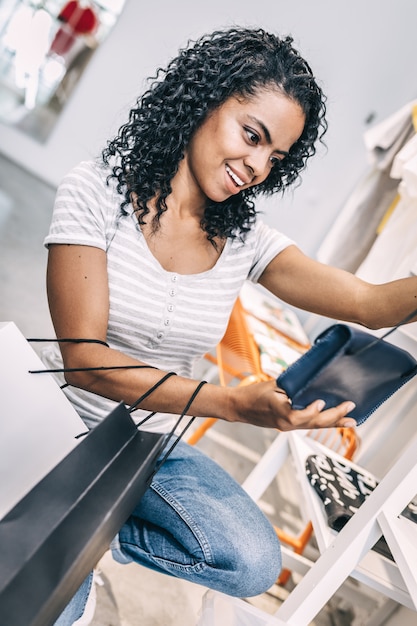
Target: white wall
{"x":363,"y":51}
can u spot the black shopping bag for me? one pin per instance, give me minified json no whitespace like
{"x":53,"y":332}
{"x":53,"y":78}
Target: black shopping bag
{"x":54,"y":536}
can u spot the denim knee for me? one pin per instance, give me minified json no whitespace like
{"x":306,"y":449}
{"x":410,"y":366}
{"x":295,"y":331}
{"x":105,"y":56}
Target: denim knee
{"x":242,"y":569}
{"x":252,"y":567}
{"x":196,"y":522}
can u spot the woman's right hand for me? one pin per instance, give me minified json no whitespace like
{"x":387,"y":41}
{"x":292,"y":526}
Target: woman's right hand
{"x":264,"y":404}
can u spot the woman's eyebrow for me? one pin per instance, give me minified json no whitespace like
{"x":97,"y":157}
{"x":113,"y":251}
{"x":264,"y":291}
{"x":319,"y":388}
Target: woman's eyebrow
{"x":267,"y":134}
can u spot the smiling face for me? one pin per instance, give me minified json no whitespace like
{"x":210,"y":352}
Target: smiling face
{"x":238,"y":144}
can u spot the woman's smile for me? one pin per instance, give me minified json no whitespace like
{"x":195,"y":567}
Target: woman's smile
{"x":237,"y":182}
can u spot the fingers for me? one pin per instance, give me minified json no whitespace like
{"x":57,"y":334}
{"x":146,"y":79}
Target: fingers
{"x":337,"y":416}
{"x":316,"y":416}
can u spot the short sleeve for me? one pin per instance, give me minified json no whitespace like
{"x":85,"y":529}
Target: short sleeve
{"x":81,"y":213}
{"x":268,"y":243}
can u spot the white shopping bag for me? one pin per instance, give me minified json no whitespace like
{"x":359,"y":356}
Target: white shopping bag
{"x":221,"y":610}
{"x":38,"y":425}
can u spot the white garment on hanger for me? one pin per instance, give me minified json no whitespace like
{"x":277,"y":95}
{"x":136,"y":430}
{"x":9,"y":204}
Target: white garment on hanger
{"x":406,"y":154}
{"x":409,"y":180}
{"x":394,"y":253}
{"x":384,"y":139}
{"x":354,"y":232}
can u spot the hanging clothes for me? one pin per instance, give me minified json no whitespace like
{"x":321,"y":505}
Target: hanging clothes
{"x":355,"y":230}
{"x":394,"y":253}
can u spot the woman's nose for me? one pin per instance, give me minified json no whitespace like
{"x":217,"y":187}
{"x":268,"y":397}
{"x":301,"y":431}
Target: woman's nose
{"x":259,"y":164}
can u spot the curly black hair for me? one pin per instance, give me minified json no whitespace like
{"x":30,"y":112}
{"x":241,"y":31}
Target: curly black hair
{"x":234,"y":62}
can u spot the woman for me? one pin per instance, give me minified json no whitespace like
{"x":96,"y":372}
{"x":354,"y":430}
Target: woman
{"x":148,"y":250}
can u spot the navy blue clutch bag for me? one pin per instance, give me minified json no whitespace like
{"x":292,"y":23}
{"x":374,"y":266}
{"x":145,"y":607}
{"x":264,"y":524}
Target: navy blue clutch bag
{"x":348,"y":364}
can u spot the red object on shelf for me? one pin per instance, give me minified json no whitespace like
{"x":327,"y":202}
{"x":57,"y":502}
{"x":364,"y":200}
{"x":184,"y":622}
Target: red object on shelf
{"x":82,"y":20}
{"x":78,"y":20}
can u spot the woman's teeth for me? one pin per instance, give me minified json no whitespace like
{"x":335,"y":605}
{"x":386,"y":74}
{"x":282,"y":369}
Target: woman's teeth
{"x":235,"y":178}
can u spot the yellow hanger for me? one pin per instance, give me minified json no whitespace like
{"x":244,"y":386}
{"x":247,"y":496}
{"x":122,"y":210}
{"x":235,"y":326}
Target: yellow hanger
{"x":414,"y":116}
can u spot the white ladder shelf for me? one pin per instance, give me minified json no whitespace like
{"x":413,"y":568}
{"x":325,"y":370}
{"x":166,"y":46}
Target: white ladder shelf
{"x":347,"y":553}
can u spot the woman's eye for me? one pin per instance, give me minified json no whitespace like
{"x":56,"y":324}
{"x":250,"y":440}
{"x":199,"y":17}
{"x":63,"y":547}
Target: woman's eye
{"x":274,"y":160}
{"x":253,"y":137}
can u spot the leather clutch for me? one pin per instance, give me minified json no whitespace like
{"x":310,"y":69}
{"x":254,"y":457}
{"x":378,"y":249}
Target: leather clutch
{"x":348,"y":364}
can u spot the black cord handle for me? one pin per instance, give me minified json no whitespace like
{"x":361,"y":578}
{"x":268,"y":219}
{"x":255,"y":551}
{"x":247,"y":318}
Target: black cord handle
{"x":189,"y":403}
{"x":406,"y":319}
{"x":138,"y":401}
{"x":67,"y":340}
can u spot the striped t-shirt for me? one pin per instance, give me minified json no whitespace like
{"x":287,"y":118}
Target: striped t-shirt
{"x":165,"y":319}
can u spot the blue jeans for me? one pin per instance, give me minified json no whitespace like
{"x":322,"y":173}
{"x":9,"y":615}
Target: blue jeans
{"x":196,"y":522}
{"x":75,"y":608}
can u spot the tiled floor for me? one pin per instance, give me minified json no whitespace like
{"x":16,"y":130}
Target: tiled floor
{"x":127,"y":595}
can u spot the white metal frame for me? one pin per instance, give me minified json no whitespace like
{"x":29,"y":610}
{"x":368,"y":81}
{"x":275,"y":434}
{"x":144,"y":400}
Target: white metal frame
{"x":347,"y":553}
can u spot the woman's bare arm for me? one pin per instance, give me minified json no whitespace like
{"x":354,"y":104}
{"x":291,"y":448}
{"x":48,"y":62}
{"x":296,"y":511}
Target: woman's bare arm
{"x":335,"y":293}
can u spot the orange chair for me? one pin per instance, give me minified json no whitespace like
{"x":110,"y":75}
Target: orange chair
{"x":237,"y":358}
{"x":238,"y":361}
